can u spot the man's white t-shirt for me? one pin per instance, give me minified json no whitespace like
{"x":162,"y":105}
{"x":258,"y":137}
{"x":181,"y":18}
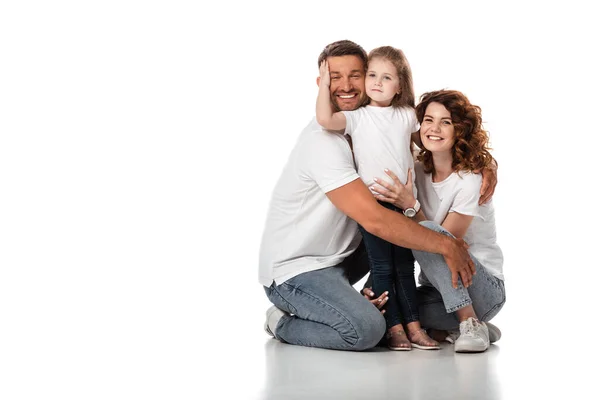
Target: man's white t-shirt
{"x":304,"y":231}
{"x":460,"y":193}
{"x":381,"y":139}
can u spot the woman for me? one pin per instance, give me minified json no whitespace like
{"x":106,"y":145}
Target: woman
{"x":454,"y":148}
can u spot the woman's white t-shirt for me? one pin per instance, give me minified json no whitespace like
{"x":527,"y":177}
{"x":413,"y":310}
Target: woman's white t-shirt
{"x":460,"y":193}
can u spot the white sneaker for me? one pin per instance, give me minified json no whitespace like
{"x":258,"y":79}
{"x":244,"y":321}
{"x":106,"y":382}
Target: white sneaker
{"x":474,"y":337}
{"x":274,"y":314}
{"x":495,"y":334}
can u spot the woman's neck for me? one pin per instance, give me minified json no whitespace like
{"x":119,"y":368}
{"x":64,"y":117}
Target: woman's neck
{"x":442,"y":166}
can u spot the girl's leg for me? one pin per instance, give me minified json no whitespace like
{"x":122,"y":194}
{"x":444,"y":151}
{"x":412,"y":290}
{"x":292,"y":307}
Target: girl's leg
{"x":381,"y":261}
{"x":406,"y":292}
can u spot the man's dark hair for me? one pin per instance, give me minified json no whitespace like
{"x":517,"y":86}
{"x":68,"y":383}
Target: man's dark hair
{"x":343,"y":48}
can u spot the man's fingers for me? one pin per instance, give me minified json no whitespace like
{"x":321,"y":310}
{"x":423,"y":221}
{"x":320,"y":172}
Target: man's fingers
{"x":454,"y":280}
{"x":466,"y":277}
{"x":472,"y":267}
{"x":368,"y":292}
{"x":484,"y":187}
{"x":487,"y":197}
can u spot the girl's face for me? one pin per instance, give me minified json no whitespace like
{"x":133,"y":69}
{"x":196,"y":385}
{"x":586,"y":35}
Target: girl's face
{"x":437,"y":129}
{"x":382,"y":82}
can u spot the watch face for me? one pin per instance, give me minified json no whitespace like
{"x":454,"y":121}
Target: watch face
{"x":410,"y":212}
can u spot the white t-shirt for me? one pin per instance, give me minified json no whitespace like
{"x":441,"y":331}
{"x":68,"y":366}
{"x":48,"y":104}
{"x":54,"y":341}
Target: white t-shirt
{"x":381,"y":139}
{"x":304,"y":231}
{"x":460,"y":193}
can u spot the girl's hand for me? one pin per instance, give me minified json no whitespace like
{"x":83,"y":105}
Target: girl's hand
{"x":324,"y":73}
{"x":398,"y":194}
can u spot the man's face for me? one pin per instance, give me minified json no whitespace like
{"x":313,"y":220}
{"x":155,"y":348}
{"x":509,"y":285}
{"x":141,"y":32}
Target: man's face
{"x":347,"y":86}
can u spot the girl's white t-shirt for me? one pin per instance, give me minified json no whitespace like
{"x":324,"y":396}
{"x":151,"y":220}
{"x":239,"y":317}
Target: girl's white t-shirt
{"x":381,"y":139}
{"x":460,"y":193}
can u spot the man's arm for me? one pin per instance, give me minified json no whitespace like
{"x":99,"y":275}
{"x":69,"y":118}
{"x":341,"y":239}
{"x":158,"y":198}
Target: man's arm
{"x":490,"y":179}
{"x":355,"y":200}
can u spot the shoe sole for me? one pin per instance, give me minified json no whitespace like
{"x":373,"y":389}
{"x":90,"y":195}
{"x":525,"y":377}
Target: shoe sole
{"x":400,"y":348}
{"x":421,"y":347}
{"x":470,"y":349}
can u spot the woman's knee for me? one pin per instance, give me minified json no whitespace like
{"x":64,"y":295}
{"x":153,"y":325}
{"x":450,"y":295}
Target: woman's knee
{"x":435,"y":227}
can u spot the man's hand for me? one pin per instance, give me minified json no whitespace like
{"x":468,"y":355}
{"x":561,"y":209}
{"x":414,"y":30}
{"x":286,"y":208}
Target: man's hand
{"x":378,"y":302}
{"x":324,"y":73}
{"x":488,"y":186}
{"x":460,"y":263}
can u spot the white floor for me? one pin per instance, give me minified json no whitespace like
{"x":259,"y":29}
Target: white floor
{"x":536,"y":358}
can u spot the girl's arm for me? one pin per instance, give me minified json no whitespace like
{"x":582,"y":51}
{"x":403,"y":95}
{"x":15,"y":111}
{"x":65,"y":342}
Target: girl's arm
{"x":457,"y":224}
{"x":325,"y":116}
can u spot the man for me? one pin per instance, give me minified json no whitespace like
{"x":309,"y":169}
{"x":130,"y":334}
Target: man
{"x":307,"y":263}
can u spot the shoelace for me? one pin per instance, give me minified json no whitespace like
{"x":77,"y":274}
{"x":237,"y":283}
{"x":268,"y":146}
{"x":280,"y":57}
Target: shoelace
{"x":469,"y":327}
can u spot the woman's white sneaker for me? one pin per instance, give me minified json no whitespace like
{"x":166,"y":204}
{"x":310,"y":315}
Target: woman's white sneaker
{"x":474,"y":337}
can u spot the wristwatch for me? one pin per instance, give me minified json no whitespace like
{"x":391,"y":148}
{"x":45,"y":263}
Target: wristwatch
{"x":412,"y":211}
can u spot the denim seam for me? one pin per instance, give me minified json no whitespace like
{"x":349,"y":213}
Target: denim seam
{"x":459,"y":306}
{"x":414,"y":316}
{"x":291,"y":307}
{"x":316,"y":299}
{"x":495,"y":307}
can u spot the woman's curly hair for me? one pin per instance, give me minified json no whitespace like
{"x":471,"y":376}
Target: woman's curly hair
{"x":470,"y":151}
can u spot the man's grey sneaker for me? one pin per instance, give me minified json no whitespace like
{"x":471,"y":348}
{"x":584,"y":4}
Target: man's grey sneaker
{"x":274,"y":314}
{"x":495,"y":333}
{"x":474,"y":337}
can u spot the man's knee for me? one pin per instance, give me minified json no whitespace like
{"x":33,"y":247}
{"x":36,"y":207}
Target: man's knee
{"x":370,"y":328}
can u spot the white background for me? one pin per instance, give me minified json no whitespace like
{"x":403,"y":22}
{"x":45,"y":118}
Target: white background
{"x":140,"y":142}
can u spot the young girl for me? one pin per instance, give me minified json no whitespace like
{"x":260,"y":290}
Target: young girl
{"x":455,"y":145}
{"x":381,"y":137}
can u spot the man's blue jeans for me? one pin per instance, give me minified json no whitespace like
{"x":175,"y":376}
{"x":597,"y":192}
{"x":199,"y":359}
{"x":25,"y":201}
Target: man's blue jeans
{"x":327,"y":311}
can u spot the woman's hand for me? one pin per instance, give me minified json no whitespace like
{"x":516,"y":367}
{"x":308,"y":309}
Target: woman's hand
{"x":398,"y":194}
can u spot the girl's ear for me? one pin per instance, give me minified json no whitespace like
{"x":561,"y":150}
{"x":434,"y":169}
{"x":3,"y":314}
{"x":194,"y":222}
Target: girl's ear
{"x":318,"y":80}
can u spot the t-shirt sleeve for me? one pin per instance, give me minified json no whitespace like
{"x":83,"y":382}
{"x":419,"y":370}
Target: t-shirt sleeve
{"x":328,"y":161}
{"x":351,"y":121}
{"x":467,"y":198}
{"x":412,"y":120}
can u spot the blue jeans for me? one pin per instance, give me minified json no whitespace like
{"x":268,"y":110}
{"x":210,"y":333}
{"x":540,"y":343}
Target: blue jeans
{"x":438,"y":300}
{"x":393,"y":270}
{"x":327,"y":311}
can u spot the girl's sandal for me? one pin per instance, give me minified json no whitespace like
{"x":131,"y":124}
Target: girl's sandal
{"x":421,"y":340}
{"x":397,"y":340}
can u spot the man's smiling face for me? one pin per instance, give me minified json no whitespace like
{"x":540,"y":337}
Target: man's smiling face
{"x":347,"y":86}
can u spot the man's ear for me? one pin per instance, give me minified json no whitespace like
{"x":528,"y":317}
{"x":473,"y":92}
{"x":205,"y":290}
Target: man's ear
{"x":318,"y":80}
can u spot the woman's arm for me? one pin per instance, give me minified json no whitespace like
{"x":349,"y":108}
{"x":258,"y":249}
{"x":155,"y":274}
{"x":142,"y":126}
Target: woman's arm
{"x":457,"y":224}
{"x":325,"y":116}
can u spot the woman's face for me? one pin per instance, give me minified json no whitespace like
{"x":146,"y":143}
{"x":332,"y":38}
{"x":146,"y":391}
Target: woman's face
{"x":437,"y":130}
